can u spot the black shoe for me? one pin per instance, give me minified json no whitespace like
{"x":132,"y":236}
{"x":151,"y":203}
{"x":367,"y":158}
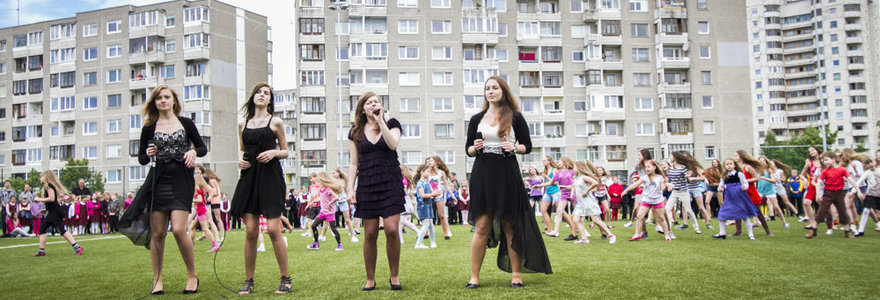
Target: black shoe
{"x":683,"y":227}
{"x":248,"y":287}
{"x":720,"y":236}
{"x":403,"y":231}
{"x":187,"y":292}
{"x":571,"y":237}
{"x":472,"y":285}
{"x":604,"y":237}
{"x":446,"y":238}
{"x":516,"y":285}
{"x":859,"y":234}
{"x":473,"y":229}
{"x":159,"y":292}
{"x":645,"y":235}
{"x":370,"y":288}
{"x":286,"y":285}
{"x":394,"y":287}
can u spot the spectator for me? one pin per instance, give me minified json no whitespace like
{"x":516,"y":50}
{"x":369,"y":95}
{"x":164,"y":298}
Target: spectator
{"x":615,"y":191}
{"x":38,"y":211}
{"x":127,"y":202}
{"x":81,"y":190}
{"x":114,"y":209}
{"x":5,"y":194}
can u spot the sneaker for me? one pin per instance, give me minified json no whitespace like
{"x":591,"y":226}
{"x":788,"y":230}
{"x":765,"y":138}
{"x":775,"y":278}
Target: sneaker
{"x":420,"y":246}
{"x":829,"y":232}
{"x":314,"y":246}
{"x":553,"y":233}
{"x":644,"y":235}
{"x":354,"y":239}
{"x":261,"y":248}
{"x":803,"y":219}
{"x":668,"y":239}
{"x":671,"y":235}
{"x":709,"y":226}
{"x":720,"y":236}
{"x":571,"y":237}
{"x":433,"y":245}
{"x":338,"y":247}
{"x":697,"y":231}
{"x":322,"y":238}
{"x":751,"y":238}
{"x":582,"y":241}
{"x":79,"y":251}
{"x":635,"y":238}
{"x":306,"y":234}
{"x":357,"y":231}
{"x":683,"y":227}
{"x":628,"y":224}
{"x":40,"y":254}
{"x":853,"y":228}
{"x":787,"y":225}
{"x":215,"y":248}
{"x":612,"y":239}
{"x":859,"y":234}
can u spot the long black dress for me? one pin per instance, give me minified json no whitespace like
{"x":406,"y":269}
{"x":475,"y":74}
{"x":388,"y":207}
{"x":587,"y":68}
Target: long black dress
{"x":379,"y":191}
{"x":496,"y":187}
{"x":260,"y":188}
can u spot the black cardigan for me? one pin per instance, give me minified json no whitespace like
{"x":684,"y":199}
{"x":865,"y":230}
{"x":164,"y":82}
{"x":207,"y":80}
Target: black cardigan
{"x":192,"y":133}
{"x":520,"y":130}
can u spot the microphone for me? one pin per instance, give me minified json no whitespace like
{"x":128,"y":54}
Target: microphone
{"x":151,"y":144}
{"x":376,"y":112}
{"x":479,"y":136}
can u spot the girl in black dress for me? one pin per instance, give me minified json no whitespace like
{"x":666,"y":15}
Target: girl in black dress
{"x":261,"y":186}
{"x":499,"y":206}
{"x":379,"y":191}
{"x":169,"y":185}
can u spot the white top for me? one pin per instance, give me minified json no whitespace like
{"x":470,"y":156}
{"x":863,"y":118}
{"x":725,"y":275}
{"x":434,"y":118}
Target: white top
{"x":652,"y":192}
{"x":490,"y":135}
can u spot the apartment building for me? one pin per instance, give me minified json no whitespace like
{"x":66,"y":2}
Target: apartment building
{"x":813,"y":63}
{"x":75,"y":87}
{"x":596,"y":79}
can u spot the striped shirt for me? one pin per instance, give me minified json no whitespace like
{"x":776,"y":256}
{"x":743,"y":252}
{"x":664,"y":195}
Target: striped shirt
{"x":678,"y":178}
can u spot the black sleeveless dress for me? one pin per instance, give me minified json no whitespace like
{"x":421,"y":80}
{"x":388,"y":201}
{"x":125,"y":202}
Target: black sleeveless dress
{"x":260,"y":188}
{"x":379,"y":191}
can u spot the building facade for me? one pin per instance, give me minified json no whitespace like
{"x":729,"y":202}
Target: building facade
{"x":597,"y":79}
{"x":813,"y":63}
{"x":75,"y":87}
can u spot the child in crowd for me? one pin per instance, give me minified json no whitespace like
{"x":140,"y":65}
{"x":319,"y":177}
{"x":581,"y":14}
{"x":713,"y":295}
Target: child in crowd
{"x":329,"y":188}
{"x":585,"y":184}
{"x":93,"y":212}
{"x":51,"y":190}
{"x":426,"y":195}
{"x":652,"y":199}
{"x":871,"y":176}
{"x":832,"y":181}
{"x":616,"y":193}
{"x":737,"y":204}
{"x":201,"y":189}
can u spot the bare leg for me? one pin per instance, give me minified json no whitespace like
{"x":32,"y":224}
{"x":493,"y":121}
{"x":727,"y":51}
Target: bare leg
{"x":444,"y":221}
{"x":515,"y":259}
{"x":274,"y":227}
{"x":392,"y":246}
{"x":178,"y":228}
{"x":482,"y":227}
{"x":218,"y":219}
{"x":371,"y":233}
{"x":788,"y":204}
{"x":703,"y":210}
{"x":707,"y":204}
{"x":159,"y":226}
{"x":545,"y":216}
{"x":251,"y":235}
{"x":601,"y":224}
{"x":208,"y":232}
{"x":640,"y":220}
{"x":851,"y":208}
{"x":775,"y":204}
{"x":808,"y":211}
{"x":347,"y":216}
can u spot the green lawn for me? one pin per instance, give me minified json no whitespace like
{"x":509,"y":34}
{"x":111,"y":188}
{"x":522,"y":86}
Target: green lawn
{"x":693,"y":266}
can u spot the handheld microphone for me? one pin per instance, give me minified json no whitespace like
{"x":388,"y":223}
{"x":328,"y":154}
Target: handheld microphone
{"x":151,"y":144}
{"x":479,"y":136}
{"x":376,"y":112}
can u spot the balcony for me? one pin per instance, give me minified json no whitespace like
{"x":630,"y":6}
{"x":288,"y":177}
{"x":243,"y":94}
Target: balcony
{"x":360,"y":88}
{"x":485,"y":64}
{"x":599,"y":139}
{"x":610,"y":39}
{"x":676,"y":113}
{"x":807,"y":23}
{"x":194,"y":80}
{"x":670,"y":13}
{"x":674,"y":88}
{"x":851,"y":27}
{"x":145,"y":82}
{"x":859,"y":119}
{"x":681,"y":62}
{"x":800,"y":49}
{"x":852,"y":14}
{"x":671,"y":38}
{"x":146,"y":57}
{"x":196,"y":27}
{"x":803,"y":112}
{"x":361,"y":62}
{"x":316,"y":39}
{"x":855,"y":40}
{"x":312,"y":12}
{"x":797,"y":37}
{"x":677,"y":138}
{"x":855,"y":66}
{"x":800,"y":62}
{"x":860,"y":132}
{"x":196,"y":53}
{"x":366,"y":10}
{"x":803,"y":124}
{"x":489,"y":38}
{"x":148,"y":30}
{"x":368,"y":37}
{"x":802,"y":99}
{"x":604,"y":64}
{"x":801,"y":74}
{"x":606,"y":114}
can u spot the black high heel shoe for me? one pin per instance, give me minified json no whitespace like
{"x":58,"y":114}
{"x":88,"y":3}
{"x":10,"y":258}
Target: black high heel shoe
{"x":188,"y":292}
{"x":159,"y":292}
{"x":394,"y":287}
{"x":370,"y":288}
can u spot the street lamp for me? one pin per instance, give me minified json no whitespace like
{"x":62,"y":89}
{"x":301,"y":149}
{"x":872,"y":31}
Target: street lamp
{"x":338,"y":6}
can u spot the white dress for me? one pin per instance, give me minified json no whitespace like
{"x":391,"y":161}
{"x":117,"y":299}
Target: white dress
{"x":586,"y":206}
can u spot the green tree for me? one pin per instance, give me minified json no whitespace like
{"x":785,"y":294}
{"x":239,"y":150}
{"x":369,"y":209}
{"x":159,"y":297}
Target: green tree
{"x":795,"y":151}
{"x":33,"y":178}
{"x":76,"y":169}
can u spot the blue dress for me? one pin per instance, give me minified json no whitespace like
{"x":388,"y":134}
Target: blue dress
{"x":737,"y":204}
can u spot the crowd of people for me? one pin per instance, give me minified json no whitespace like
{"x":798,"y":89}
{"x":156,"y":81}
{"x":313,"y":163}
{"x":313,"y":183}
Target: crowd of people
{"x":500,"y":202}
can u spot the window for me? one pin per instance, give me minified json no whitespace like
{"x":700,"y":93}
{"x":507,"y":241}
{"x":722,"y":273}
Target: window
{"x":411,"y":157}
{"x":114,"y":76}
{"x":707,"y":102}
{"x":313,"y":132}
{"x":408,"y":27}
{"x":616,"y":153}
{"x":35,"y":86}
{"x":448,"y":156}
{"x":610,"y":27}
{"x":443,"y":104}
{"x":708,"y":127}
{"x":550,"y":29}
{"x":170,"y":46}
{"x":195,"y":69}
{"x":579,"y":80}
{"x":135,"y":122}
{"x":60,"y":31}
{"x":638,"y":5}
{"x":312,"y":78}
{"x":312,"y":105}
{"x":90,"y":128}
{"x":195,"y":14}
{"x":640,"y":55}
{"x":19,"y":87}
{"x":704,"y":52}
{"x":195,"y":40}
{"x":472,"y":101}
{"x":114,"y":26}
{"x":90,"y":54}
{"x":441,"y":27}
{"x":170,"y":20}
{"x":473,"y":76}
{"x":644,"y":129}
{"x":703,"y":5}
{"x":706,"y":77}
{"x":90,"y":30}
{"x":644,"y":104}
{"x":19,"y":40}
{"x":114,"y":100}
{"x":703,"y":27}
{"x":580,"y":105}
{"x":408,"y":78}
{"x":311,"y":26}
{"x":63,"y":104}
{"x":440,"y":3}
{"x":411,"y":131}
{"x":114,"y":51}
{"x":90,"y":152}
{"x":311,"y":52}
{"x":166,"y":71}
{"x":614,"y":102}
{"x":535,"y":129}
{"x":2,"y":45}
{"x":441,"y":53}
{"x":409,"y":105}
{"x":195,"y":92}
{"x":577,"y":56}
{"x":200,"y":117}
{"x":639,"y":30}
{"x":90,"y":103}
{"x":443,"y":131}
{"x":34,"y":155}
{"x":641,"y":79}
{"x":442,"y":78}
{"x":408,"y":52}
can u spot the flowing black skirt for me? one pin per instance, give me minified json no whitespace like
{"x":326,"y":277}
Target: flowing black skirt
{"x":497,"y":188}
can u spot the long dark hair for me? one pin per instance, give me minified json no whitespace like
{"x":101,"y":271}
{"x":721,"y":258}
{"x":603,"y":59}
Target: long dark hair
{"x":508,"y":105}
{"x":646,"y":155}
{"x":751,"y":161}
{"x":360,"y":119}
{"x":150,"y":110}
{"x":687,"y":160}
{"x":250,"y":108}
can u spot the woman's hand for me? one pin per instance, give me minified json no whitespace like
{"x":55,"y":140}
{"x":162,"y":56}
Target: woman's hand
{"x":721,"y":189}
{"x":478,"y":145}
{"x":152,"y":151}
{"x":266,"y":156}
{"x":243,"y":164}
{"x":190,"y":158}
{"x":507,"y":146}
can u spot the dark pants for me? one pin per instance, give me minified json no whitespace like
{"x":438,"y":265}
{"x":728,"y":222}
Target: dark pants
{"x":626,"y":206}
{"x":317,"y":223}
{"x":114,"y":223}
{"x":454,"y":216}
{"x":236,"y":223}
{"x":835,"y":198}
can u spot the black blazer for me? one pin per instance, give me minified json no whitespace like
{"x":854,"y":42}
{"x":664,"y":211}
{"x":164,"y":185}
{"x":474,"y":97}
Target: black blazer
{"x":520,"y":130}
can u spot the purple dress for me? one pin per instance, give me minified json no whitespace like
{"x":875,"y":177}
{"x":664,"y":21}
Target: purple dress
{"x":379,"y":191}
{"x":737,"y":204}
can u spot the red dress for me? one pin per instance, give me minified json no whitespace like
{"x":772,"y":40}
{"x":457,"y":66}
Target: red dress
{"x":811,"y":189}
{"x":753,"y":191}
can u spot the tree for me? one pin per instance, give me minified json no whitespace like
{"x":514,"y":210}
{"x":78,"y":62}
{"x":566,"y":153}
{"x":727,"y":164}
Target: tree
{"x":76,"y":169}
{"x":33,"y":178}
{"x":795,"y":151}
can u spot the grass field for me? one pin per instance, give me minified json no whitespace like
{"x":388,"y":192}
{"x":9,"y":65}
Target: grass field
{"x":786,"y":266}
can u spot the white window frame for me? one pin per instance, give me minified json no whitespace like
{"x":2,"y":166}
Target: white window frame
{"x":711,"y":102}
{"x":404,"y":78}
{"x":450,"y":130}
{"x":447,"y":78}
{"x":113,"y":151}
{"x":403,"y":52}
{"x":700,"y":30}
{"x":709,"y":127}
{"x":90,"y":30}
{"x":118,"y":26}
{"x":408,"y":128}
{"x":445,"y":24}
{"x":639,"y":101}
{"x":408,"y":25}
{"x":641,"y":129}
{"x":448,"y":156}
{"x":90,"y":128}
{"x":114,"y":48}
{"x":446,"y":104}
{"x":406,"y":105}
{"x":447,"y":53}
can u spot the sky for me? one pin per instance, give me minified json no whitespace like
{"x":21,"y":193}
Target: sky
{"x":279,"y":14}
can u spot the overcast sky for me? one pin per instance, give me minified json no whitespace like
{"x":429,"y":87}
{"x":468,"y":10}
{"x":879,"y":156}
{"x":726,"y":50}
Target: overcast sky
{"x":278,"y":12}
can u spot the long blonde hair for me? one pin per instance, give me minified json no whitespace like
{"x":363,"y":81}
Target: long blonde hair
{"x":150,"y":110}
{"x":51,"y":180}
{"x":586,"y":168}
{"x":326,"y":180}
{"x":552,"y":164}
{"x":567,"y":163}
{"x":203,"y":185}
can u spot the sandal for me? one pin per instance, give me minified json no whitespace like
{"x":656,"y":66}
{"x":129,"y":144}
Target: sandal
{"x":248,"y":287}
{"x":285,"y":286}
